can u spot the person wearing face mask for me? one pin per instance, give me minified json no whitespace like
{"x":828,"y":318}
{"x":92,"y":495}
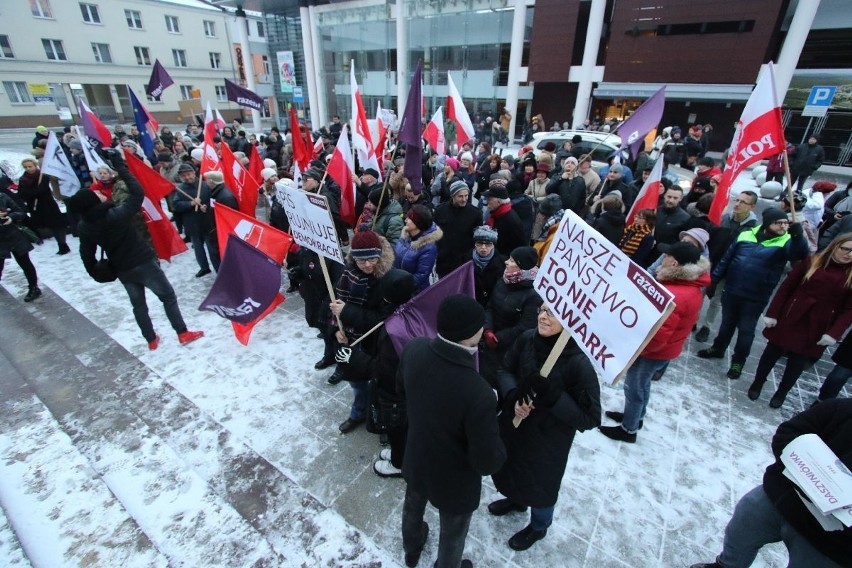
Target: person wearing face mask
{"x":553,"y":409}
{"x":811,"y":311}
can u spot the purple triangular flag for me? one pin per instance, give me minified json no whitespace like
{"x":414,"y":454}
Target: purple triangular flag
{"x":410,"y":131}
{"x":246,"y":284}
{"x":159,"y":81}
{"x":243,"y":96}
{"x":642,"y":121}
{"x":419,"y":316}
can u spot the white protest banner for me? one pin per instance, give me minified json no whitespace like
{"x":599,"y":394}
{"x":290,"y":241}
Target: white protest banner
{"x":56,"y":164}
{"x":310,"y":223}
{"x":93,"y":160}
{"x":817,"y":470}
{"x":609,"y":304}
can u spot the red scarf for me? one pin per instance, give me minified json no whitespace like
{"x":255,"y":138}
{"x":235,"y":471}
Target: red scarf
{"x":499,"y":212}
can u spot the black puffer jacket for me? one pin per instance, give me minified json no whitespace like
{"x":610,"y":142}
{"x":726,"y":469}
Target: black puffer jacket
{"x":512,"y":309}
{"x":484,"y":279}
{"x":110,"y":227}
{"x":12,"y":240}
{"x":538,"y":449}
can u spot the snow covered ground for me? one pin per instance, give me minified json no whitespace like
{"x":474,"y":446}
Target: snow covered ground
{"x":217,"y":454}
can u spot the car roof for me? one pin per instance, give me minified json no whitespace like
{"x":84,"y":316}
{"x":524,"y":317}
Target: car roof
{"x":586,"y":135}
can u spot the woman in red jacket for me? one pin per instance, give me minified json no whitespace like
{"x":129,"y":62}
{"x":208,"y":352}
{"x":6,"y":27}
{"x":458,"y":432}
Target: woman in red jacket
{"x":684,"y":273}
{"x":811,"y":310}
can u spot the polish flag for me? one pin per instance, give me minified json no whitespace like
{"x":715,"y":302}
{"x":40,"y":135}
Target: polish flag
{"x":434,"y":132}
{"x":759,"y":134}
{"x":210,"y":160}
{"x":240,"y":181}
{"x":649,"y":195}
{"x":457,"y":112}
{"x":362,"y":140}
{"x":318,"y":147}
{"x":383,"y":135}
{"x":92,"y":125}
{"x":212,"y":127}
{"x":340,"y":169}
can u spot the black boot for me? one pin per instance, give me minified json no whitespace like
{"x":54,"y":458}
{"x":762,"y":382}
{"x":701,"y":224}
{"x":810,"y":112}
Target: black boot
{"x":777,"y":400}
{"x":525,"y":538}
{"x":63,"y":249}
{"x":33,"y":293}
{"x":755,"y":388}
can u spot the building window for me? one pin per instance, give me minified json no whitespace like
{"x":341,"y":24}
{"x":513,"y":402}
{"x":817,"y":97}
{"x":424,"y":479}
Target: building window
{"x":260,"y":29}
{"x":90,"y":13}
{"x":41,"y":8}
{"x":209,"y":28}
{"x":142,"y":56}
{"x":17,"y":91}
{"x":179,"y":56}
{"x":134,"y":19}
{"x":101,"y":51}
{"x":54,"y":50}
{"x":172,"y":24}
{"x":5,"y":48}
{"x":221,"y":94}
{"x":215,"y":60}
{"x":186,"y":92}
{"x":266,"y":68}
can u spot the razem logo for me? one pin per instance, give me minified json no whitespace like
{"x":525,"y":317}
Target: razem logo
{"x":247,"y":307}
{"x":251,"y":233}
{"x":650,"y":288}
{"x":150,"y":211}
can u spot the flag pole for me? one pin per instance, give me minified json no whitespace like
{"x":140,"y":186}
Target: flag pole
{"x":384,"y":188}
{"x":549,"y":363}
{"x":331,"y":295}
{"x":789,"y":183}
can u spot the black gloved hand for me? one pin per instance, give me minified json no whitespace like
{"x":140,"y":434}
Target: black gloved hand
{"x":796,"y":230}
{"x":545,"y":391}
{"x":710,"y":290}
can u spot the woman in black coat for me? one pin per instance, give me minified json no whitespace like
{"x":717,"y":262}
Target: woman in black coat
{"x":552,"y":410}
{"x":488,"y":265}
{"x":34,"y":188}
{"x":14,"y":243}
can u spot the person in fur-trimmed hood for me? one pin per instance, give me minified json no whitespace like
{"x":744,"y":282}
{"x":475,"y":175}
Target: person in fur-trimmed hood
{"x":417,"y":247}
{"x":684,"y":272}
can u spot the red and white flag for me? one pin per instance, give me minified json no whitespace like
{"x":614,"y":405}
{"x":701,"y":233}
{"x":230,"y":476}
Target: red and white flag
{"x":340,"y":169}
{"x":362,"y":140}
{"x":165,"y":238}
{"x":649,"y":195}
{"x":212,"y":127}
{"x":759,"y":134}
{"x":240,"y":181}
{"x":92,"y":125}
{"x":384,"y":123}
{"x":457,"y":112}
{"x":434,"y":132}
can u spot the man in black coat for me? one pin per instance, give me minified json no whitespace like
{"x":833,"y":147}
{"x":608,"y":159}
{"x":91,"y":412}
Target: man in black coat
{"x":196,"y":222}
{"x":671,"y":218}
{"x":109,"y":226}
{"x":775,"y":511}
{"x":452,"y":431}
{"x":503,"y":218}
{"x":458,"y":219}
{"x":807,"y":159}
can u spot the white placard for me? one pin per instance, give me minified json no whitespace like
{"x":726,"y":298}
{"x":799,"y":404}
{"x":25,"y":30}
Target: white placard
{"x":310,"y":223}
{"x":818,"y":472}
{"x":608,"y":303}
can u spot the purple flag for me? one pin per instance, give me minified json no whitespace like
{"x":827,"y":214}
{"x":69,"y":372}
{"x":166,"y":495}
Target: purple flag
{"x":247,"y":283}
{"x":159,"y":80}
{"x":642,"y":121}
{"x":243,"y":96}
{"x":410,"y":131}
{"x":419,"y":316}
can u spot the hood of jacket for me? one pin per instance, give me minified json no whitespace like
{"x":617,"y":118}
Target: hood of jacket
{"x":698,"y":273}
{"x":431,"y":235}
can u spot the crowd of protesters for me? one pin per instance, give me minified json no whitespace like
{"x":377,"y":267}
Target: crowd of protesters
{"x":500,"y":213}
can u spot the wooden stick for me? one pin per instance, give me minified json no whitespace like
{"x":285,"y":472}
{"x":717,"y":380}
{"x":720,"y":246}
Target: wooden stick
{"x":328,"y":285}
{"x":382,"y":195}
{"x":549,"y":363}
{"x":371,"y":330}
{"x":198,"y":194}
{"x":789,"y":185}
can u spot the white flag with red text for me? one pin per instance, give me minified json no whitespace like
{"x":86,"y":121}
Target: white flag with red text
{"x":457,"y":112}
{"x":362,"y":140}
{"x":434,"y":132}
{"x":341,"y":169}
{"x":759,"y":134}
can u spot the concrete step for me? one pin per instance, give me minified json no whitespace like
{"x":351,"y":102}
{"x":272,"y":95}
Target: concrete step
{"x":200,"y":495}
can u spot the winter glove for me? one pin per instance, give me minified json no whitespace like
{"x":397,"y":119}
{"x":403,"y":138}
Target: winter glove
{"x":343,"y":355}
{"x":490,"y":339}
{"x":354,"y":364}
{"x":710,"y":290}
{"x":546,"y":391}
{"x":826,"y":340}
{"x":769,"y":322}
{"x":796,"y":230}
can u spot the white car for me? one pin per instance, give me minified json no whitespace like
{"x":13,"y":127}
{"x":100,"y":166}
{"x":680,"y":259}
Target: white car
{"x":600,"y":144}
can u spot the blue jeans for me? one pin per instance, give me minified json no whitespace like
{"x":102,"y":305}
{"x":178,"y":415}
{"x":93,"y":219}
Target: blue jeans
{"x":738,"y":314}
{"x":756,"y":522}
{"x":541,"y":517}
{"x":637,"y":390}
{"x":362,"y":398}
{"x":454,"y":529}
{"x":150,"y":275}
{"x":834,"y":382}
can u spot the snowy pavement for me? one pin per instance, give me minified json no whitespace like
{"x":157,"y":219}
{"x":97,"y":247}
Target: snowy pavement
{"x":215,"y":454}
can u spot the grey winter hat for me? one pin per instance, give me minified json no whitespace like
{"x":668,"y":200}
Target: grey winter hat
{"x":485,"y":234}
{"x":457,"y":186}
{"x":551,"y":204}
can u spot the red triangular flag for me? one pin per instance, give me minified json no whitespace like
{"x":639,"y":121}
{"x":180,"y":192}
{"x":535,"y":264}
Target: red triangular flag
{"x":301,"y":155}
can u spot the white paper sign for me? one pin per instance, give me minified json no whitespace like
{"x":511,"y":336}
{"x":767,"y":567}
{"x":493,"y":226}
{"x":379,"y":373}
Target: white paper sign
{"x":811,"y":464}
{"x":607,"y":303}
{"x":310,"y":223}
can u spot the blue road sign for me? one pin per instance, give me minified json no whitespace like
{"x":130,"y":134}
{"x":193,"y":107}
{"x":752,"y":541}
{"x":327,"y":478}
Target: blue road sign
{"x":819,"y":100}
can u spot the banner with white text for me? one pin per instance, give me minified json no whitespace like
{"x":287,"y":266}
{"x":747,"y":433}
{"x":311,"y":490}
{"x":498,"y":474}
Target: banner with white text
{"x":608,"y":303}
{"x":311,"y":225}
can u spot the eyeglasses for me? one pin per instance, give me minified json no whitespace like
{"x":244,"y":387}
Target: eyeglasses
{"x":781,"y":222}
{"x":484,"y":245}
{"x":366,"y":260}
{"x":845,"y":250}
{"x":546,"y":311}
